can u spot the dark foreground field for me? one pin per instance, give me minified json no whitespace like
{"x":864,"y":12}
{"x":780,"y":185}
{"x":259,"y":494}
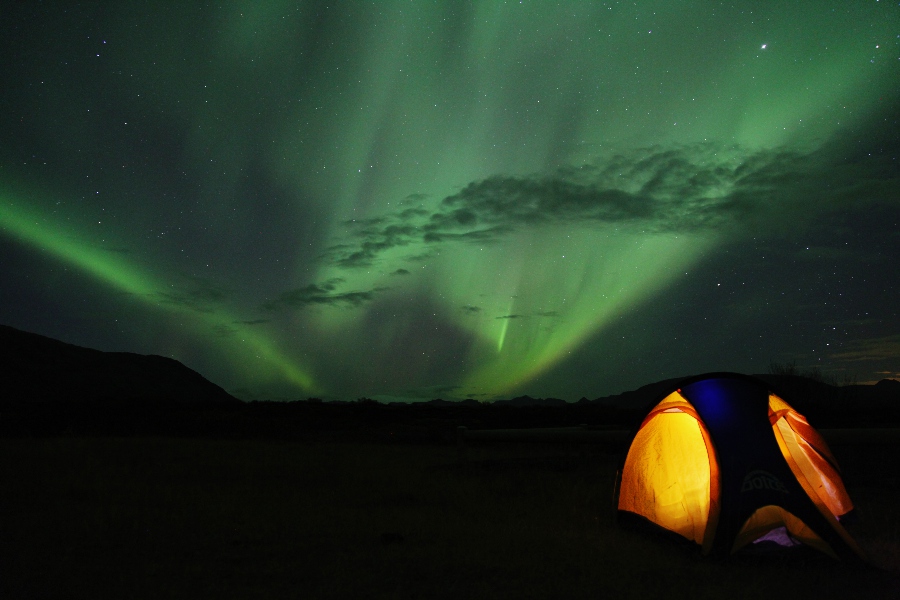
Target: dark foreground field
{"x":182,"y":518}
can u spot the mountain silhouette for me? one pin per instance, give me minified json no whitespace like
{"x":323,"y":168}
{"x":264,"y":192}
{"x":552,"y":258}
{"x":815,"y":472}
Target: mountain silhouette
{"x":529,"y":401}
{"x":34,"y":368}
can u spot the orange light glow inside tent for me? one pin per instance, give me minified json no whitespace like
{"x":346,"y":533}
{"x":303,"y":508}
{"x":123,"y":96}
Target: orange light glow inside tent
{"x":671,"y":476}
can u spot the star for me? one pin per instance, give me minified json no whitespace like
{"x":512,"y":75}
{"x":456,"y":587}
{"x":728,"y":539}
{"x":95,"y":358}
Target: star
{"x":473,"y":205}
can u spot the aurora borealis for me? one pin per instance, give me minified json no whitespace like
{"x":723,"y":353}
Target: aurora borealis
{"x":412,"y":200}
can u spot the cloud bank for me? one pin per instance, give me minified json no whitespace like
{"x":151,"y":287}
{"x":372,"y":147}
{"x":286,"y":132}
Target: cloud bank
{"x":688,"y":189}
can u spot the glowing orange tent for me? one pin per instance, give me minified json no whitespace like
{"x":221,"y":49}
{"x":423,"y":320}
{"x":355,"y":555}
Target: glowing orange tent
{"x":723,"y":461}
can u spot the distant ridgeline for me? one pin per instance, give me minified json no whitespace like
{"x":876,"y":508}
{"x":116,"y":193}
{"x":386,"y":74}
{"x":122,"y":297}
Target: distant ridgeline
{"x":53,"y":388}
{"x":34,"y":368}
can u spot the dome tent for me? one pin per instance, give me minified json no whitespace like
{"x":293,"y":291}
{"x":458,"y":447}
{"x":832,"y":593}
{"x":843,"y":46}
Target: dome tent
{"x":723,"y":461}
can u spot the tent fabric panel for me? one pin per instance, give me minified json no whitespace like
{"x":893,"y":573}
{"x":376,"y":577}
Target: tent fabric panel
{"x":715,"y":492}
{"x":672,"y":403}
{"x":688,"y":465}
{"x":776,"y":403}
{"x":666,"y":477}
{"x":767,"y":518}
{"x":673,"y":400}
{"x":818,"y":472}
{"x":814,"y":496}
{"x":779,"y":408}
{"x":800,"y":425}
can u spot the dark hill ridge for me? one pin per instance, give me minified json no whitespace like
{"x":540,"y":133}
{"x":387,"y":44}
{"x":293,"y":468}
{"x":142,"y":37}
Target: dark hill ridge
{"x":53,"y":388}
{"x":529,"y":401}
{"x":640,"y":398}
{"x":804,"y":393}
{"x":38,"y":368}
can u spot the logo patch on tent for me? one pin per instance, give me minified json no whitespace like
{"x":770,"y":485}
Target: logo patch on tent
{"x":762,"y":480}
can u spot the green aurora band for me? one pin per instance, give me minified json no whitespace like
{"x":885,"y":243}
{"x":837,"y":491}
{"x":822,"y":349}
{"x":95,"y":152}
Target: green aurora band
{"x":379,"y":131}
{"x":247,"y":345}
{"x":583,"y":278}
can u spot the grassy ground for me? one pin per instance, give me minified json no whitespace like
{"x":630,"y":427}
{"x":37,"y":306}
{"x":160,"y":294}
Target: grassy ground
{"x":176,"y":518}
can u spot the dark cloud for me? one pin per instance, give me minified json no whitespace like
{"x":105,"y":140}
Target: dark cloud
{"x":373,"y":241}
{"x":417,"y":197}
{"x":543,"y":314}
{"x":323,"y":294}
{"x":872,"y":349}
{"x":208,"y":293}
{"x":200,"y":295}
{"x":481,"y":235}
{"x":183,"y":301}
{"x":422,"y":257}
{"x":506,"y":202}
{"x":222,"y":330}
{"x":412,"y":213}
{"x":685,"y":189}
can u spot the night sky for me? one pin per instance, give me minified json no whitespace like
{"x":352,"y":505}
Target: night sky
{"x":413,"y":200}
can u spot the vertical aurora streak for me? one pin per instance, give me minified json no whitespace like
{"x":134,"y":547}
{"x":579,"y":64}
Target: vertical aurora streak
{"x":404,"y":200}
